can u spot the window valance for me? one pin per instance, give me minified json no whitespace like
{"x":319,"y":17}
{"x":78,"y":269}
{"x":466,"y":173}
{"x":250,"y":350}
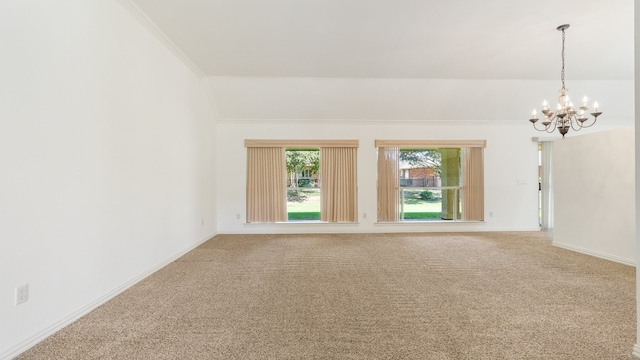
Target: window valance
{"x":407,"y":144}
{"x":301,"y":143}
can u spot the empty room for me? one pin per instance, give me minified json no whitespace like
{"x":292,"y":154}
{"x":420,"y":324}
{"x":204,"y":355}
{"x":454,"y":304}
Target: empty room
{"x":243,"y":179}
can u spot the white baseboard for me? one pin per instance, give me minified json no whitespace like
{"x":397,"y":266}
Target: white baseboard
{"x":601,"y":255}
{"x":35,"y":339}
{"x":636,"y":351}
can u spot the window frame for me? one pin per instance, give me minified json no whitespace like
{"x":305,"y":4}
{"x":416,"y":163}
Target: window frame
{"x":329,"y":205}
{"x":471,"y":173}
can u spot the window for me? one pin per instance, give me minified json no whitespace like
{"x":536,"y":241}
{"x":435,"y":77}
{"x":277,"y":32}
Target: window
{"x":272,"y":179}
{"x":303,"y":186}
{"x":439,"y":180}
{"x":306,"y":173}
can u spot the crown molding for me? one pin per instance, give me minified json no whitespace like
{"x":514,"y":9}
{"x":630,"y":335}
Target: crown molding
{"x":516,"y":123}
{"x":375,"y":122}
{"x":143,"y":19}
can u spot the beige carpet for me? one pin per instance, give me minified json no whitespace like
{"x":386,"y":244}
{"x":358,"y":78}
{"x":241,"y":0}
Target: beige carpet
{"x":366,"y":296}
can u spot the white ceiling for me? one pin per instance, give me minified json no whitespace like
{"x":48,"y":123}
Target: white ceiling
{"x":455,"y":39}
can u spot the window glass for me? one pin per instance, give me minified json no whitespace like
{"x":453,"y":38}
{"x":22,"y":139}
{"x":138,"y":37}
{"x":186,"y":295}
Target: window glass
{"x":303,"y":184}
{"x":419,"y":182}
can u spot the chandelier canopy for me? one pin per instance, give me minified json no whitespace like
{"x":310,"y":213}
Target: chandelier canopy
{"x":565,"y":116}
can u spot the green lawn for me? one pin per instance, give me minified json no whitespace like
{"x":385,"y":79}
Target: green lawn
{"x":417,"y":208}
{"x":423,"y":211}
{"x":304,"y":215}
{"x":422,"y":215}
{"x":304,"y":204}
{"x":423,"y":206}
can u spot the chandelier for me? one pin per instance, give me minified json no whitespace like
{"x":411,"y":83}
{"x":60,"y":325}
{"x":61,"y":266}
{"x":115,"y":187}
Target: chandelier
{"x":565,"y":116}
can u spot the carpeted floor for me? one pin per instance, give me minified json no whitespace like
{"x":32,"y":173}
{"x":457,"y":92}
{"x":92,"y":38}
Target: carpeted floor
{"x":365,"y":296}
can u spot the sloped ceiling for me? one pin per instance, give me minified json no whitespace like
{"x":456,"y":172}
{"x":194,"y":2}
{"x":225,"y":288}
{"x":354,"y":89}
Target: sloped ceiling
{"x":401,"y":59}
{"x":463,"y":39}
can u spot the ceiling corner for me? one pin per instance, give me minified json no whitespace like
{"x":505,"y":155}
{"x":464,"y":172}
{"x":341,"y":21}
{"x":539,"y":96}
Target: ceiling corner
{"x":143,"y":19}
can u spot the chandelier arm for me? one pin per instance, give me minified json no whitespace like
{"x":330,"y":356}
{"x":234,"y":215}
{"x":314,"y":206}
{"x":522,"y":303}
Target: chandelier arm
{"x":544,"y":128}
{"x":552,"y":120}
{"x":549,"y":128}
{"x":582,"y":126}
{"x":536,"y":127}
{"x":575,"y":124}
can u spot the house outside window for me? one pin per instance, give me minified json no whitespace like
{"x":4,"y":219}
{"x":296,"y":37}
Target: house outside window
{"x":430,"y":180}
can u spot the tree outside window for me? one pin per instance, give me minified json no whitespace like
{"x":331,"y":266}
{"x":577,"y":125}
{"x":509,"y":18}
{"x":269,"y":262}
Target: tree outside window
{"x":303,"y":191}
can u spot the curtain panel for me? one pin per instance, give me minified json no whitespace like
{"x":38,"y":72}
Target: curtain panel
{"x":472,"y":191}
{"x":266,"y":184}
{"x":388,"y":184}
{"x":338,"y":194}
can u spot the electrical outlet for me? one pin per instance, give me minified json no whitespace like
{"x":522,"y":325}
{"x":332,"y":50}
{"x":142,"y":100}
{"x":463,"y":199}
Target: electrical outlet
{"x":237,"y":216}
{"x":22,"y":294}
{"x":364,"y":215}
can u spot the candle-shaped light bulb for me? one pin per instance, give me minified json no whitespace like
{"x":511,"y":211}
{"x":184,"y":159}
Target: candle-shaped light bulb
{"x":584,"y":101}
{"x":533,"y":114}
{"x":595,"y":106}
{"x":545,"y":105}
{"x":559,"y":107}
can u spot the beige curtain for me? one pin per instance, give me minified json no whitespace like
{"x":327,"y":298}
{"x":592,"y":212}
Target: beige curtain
{"x":266,"y":184}
{"x":388,"y":184}
{"x":472,"y":192}
{"x":338,"y":196}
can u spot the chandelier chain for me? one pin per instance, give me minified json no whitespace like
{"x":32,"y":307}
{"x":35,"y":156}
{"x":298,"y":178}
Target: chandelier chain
{"x":562,"y":74}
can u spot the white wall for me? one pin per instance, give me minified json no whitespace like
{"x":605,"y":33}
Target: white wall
{"x":243,"y":98}
{"x":636,"y":17}
{"x":106,"y":160}
{"x":369,"y":109}
{"x":594,"y":182}
{"x":511,"y":162}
